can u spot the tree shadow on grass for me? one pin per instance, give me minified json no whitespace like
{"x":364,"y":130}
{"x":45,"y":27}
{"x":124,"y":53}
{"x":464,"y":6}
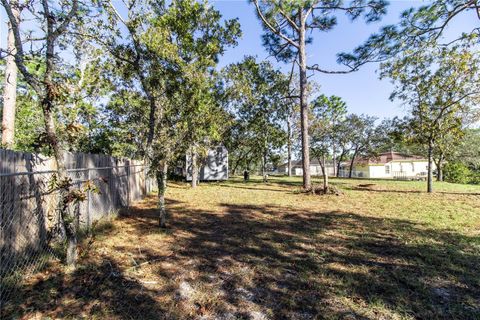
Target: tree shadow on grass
{"x":372,"y":189}
{"x":97,"y":289}
{"x":249,"y":187}
{"x":300,"y":264}
{"x":249,"y":261}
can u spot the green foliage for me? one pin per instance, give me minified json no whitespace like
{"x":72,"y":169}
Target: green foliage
{"x":457,"y":172}
{"x":163,"y":79}
{"x":255,"y":93}
{"x":391,"y":134}
{"x":468,"y":151}
{"x":441,"y":86}
{"x":326,"y":115}
{"x":319,"y":16}
{"x":78,"y":115}
{"x":463,"y":159}
{"x":364,"y":138}
{"x":421,"y":24}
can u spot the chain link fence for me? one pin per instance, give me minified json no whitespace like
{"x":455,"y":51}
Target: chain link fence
{"x":355,"y":174}
{"x":28,"y":212}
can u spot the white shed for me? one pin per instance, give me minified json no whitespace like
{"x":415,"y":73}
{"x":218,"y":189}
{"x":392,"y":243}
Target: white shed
{"x":214,"y":166}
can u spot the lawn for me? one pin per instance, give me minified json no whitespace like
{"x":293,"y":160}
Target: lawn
{"x":234,"y":250}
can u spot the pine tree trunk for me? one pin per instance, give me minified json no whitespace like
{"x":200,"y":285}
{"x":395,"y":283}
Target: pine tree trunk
{"x":10,"y":87}
{"x":339,"y":163}
{"x":289,"y":147}
{"x":264,"y":167}
{"x":194,"y":169}
{"x":334,"y":160}
{"x":302,"y":57}
{"x":430,"y":169}
{"x":162,"y":187}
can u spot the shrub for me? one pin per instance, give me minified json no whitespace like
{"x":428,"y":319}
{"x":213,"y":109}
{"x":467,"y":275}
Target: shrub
{"x":457,"y":172}
{"x":475,"y":177}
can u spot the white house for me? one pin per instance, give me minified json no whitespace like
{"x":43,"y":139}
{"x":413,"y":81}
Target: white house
{"x":315,"y":168}
{"x":214,"y":166}
{"x":389,"y":165}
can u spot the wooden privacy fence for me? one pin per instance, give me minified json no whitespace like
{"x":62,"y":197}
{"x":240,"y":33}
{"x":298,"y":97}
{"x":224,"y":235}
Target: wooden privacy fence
{"x":28,"y":206}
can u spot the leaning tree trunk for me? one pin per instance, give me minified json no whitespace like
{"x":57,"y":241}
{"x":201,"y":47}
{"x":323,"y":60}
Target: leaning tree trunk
{"x":302,"y":59}
{"x":235,"y":166}
{"x":47,"y":103}
{"x":351,"y":163}
{"x":66,"y":219}
{"x":162,"y":187}
{"x":439,"y":164}
{"x":10,"y":86}
{"x":47,"y":91}
{"x":430,"y":169}
{"x":194,"y":169}
{"x":325,"y":174}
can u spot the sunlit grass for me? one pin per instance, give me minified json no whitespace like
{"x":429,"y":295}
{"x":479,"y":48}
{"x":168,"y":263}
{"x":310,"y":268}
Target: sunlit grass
{"x":235,"y":250}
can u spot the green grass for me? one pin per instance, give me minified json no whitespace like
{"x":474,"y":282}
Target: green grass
{"x":235,"y":250}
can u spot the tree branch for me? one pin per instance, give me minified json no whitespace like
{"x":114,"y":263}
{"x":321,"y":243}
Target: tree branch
{"x":115,"y":11}
{"x":315,"y":67}
{"x":274,"y":30}
{"x":20,"y":55}
{"x":63,"y":26}
{"x":292,"y":23}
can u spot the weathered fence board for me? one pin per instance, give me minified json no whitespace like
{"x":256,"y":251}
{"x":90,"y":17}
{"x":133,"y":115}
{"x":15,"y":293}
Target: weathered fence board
{"x":28,"y":206}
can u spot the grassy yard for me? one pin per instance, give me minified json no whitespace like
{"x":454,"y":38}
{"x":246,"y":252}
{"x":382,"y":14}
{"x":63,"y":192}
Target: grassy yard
{"x":234,"y":250}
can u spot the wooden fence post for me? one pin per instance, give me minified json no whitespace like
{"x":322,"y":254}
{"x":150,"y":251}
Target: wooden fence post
{"x":128,"y":183}
{"x":145,"y":179}
{"x":89,"y":202}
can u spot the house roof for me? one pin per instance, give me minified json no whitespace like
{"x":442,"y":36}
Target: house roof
{"x":387,"y":157}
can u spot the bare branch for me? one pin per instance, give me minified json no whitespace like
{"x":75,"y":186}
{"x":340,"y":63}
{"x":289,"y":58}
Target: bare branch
{"x":315,"y":67}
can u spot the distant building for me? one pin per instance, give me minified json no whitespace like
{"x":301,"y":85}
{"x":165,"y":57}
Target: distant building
{"x":214,"y":167}
{"x":388,"y":165}
{"x":315,"y":168}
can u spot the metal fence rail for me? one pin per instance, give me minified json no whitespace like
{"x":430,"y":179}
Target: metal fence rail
{"x":28,"y":206}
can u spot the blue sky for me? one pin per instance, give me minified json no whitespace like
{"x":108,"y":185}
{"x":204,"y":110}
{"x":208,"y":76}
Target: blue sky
{"x":362,"y":90}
